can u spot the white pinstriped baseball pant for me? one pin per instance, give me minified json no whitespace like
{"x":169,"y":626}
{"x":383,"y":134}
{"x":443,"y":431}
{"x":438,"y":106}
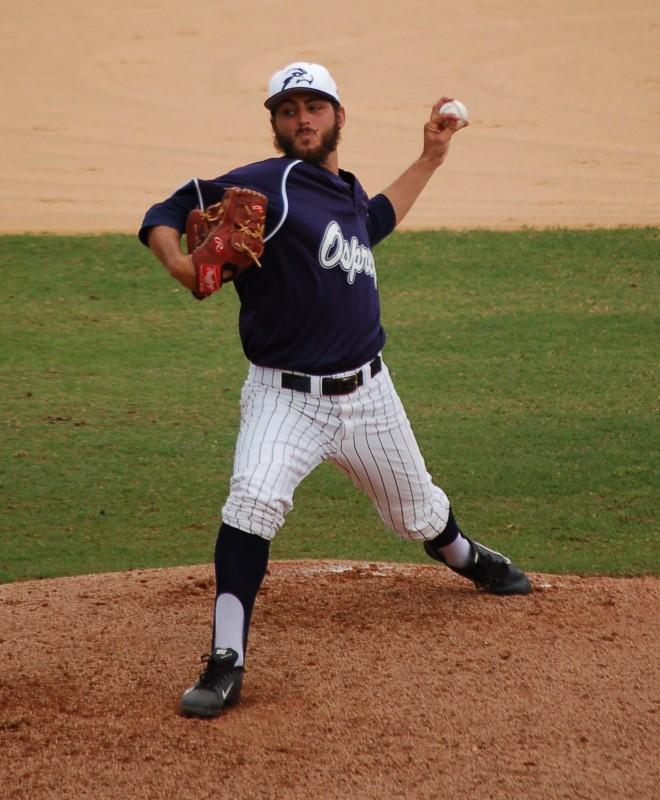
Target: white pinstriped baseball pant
{"x":285,"y":434}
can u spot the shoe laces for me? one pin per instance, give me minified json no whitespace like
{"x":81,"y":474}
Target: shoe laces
{"x":491,"y":563}
{"x":216,"y":669}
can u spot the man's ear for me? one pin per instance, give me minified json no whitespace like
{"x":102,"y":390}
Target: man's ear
{"x":341,"y":116}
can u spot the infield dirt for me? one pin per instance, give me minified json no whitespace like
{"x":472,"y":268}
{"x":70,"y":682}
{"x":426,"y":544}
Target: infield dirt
{"x":365,"y":680}
{"x":109,"y":107}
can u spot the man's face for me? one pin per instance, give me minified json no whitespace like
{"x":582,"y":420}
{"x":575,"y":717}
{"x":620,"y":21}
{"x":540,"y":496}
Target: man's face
{"x":307,"y":126}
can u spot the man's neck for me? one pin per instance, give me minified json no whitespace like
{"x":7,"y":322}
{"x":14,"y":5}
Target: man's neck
{"x":332,"y":163}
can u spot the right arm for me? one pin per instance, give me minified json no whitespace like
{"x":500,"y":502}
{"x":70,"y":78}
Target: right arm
{"x":164,"y":243}
{"x":408,"y":186}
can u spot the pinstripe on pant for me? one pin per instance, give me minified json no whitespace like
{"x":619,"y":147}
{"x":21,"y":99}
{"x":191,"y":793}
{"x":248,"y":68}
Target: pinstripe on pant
{"x":285,"y":434}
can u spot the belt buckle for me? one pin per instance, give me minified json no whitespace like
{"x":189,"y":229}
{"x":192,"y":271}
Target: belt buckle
{"x":345,"y":385}
{"x":351,"y":382}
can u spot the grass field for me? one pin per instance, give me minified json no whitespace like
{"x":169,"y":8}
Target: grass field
{"x":528,"y":363}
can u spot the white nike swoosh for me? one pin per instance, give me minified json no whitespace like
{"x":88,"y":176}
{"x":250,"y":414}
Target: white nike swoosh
{"x":225,"y":692}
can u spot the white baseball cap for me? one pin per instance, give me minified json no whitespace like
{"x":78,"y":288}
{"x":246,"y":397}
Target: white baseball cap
{"x":299,"y":76}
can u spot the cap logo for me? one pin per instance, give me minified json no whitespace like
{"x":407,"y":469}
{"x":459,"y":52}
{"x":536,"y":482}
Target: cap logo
{"x":297,"y":75}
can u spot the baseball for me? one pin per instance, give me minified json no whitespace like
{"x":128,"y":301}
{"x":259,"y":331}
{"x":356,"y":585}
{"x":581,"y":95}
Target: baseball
{"x":456,"y":109}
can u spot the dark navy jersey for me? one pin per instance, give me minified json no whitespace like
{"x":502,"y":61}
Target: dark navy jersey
{"x":313,"y":306}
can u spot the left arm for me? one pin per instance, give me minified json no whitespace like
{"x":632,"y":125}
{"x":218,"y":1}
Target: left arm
{"x":408,"y":186}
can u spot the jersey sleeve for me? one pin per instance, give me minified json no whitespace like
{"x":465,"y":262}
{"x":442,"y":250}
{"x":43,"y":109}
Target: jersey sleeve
{"x":197,"y":193}
{"x":264,"y":176}
{"x":381,"y":219}
{"x":172,"y":212}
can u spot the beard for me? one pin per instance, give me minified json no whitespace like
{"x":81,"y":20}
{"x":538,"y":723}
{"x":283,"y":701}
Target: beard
{"x":317,"y":155}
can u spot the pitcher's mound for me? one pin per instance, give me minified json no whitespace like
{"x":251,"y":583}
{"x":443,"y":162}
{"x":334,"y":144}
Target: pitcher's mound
{"x":364,"y":680}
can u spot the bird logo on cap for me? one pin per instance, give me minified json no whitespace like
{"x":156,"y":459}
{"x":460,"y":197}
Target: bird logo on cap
{"x":297,"y":75}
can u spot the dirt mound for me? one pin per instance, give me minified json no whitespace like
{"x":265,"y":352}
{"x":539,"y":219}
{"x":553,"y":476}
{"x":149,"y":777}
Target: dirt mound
{"x":364,"y":681}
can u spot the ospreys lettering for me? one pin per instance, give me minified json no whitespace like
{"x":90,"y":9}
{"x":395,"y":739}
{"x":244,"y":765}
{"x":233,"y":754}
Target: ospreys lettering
{"x":352,"y":256}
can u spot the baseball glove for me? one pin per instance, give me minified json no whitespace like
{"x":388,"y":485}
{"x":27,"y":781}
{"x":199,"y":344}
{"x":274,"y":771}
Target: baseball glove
{"x":226,"y":238}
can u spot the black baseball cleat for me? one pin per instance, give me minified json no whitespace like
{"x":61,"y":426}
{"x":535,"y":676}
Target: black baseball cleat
{"x":489,"y":570}
{"x":218,"y":687}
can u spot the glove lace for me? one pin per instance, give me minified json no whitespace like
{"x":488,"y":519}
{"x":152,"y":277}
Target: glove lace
{"x":248,"y":233}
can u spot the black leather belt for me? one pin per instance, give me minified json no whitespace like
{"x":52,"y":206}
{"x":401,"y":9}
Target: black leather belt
{"x":345,"y":385}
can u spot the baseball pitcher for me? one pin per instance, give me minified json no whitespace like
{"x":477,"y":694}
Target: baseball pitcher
{"x":295,"y":236}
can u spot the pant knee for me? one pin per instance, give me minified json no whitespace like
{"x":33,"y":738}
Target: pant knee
{"x":420,"y":522}
{"x":256,"y":515}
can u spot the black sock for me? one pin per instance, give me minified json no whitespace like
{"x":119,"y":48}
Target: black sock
{"x":241,"y":560}
{"x":450,"y":533}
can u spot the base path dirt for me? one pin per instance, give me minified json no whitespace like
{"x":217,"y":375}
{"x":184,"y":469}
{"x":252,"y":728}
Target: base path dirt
{"x":364,"y":681}
{"x":108,"y":107}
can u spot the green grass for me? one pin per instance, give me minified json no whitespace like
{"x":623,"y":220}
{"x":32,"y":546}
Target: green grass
{"x":527,"y":362}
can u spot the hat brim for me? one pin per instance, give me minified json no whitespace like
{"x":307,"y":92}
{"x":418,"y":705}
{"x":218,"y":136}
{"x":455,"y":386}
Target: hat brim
{"x":272,"y":102}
